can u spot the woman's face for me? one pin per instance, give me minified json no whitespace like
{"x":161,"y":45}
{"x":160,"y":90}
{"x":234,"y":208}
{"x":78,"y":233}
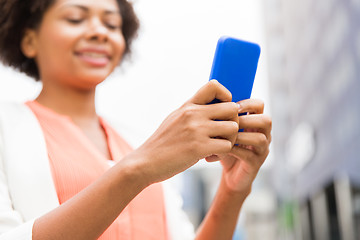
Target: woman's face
{"x":78,"y":43}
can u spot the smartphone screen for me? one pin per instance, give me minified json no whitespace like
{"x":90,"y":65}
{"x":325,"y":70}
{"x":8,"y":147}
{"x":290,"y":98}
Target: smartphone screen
{"x":234,"y":66}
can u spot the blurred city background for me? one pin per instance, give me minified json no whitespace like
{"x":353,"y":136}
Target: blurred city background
{"x":308,"y":76}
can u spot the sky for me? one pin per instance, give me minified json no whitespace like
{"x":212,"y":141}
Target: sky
{"x":171,"y":60}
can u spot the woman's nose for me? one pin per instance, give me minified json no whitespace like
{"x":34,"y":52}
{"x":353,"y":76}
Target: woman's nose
{"x":97,"y":30}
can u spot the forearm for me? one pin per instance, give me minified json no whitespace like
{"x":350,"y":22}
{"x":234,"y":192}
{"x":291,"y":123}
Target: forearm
{"x":221,"y":219}
{"x":89,"y":214}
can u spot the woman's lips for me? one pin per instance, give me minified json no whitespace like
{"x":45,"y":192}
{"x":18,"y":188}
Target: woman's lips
{"x":94,"y":57}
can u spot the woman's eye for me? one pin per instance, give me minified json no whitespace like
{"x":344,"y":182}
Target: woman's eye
{"x":74,"y":21}
{"x":112,"y":26}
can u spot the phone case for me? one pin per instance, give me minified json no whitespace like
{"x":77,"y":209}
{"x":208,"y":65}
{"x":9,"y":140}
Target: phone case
{"x":234,"y":66}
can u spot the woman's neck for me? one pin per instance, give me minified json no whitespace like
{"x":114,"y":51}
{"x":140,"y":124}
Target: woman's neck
{"x":79,"y":105}
{"x":75,"y":103}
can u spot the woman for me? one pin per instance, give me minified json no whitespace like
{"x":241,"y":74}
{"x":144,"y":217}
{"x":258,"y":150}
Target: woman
{"x":72,"y":46}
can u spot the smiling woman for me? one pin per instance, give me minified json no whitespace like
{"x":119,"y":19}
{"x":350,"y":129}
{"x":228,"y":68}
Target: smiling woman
{"x":17,"y":16}
{"x":86,"y":39}
{"x":65,"y":173}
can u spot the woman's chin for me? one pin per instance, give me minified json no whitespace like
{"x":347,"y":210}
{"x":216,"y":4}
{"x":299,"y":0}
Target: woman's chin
{"x":92,"y":79}
{"x":87,"y":83}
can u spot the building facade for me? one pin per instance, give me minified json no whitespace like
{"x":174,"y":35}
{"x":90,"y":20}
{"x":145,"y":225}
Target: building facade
{"x":313,"y":50}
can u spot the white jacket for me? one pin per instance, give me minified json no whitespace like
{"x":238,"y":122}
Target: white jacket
{"x":27,"y":190}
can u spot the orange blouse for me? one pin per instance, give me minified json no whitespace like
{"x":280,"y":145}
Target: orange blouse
{"x":76,"y":163}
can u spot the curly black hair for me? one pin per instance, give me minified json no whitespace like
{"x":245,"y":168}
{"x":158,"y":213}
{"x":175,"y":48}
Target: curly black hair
{"x":18,"y":15}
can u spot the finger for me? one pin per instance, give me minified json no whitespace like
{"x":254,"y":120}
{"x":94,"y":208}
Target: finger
{"x":259,"y":122}
{"x":244,"y":154}
{"x":224,"y":130}
{"x":254,"y":162}
{"x":222,"y":111}
{"x":248,"y":156}
{"x":218,"y":146}
{"x":266,"y":132}
{"x":212,"y":158}
{"x":213,"y":89}
{"x":258,"y":141}
{"x":251,"y":105}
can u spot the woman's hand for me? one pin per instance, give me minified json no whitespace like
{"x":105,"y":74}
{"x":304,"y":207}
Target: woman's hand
{"x":242,"y":163}
{"x":190,"y":133}
{"x":240,"y":167}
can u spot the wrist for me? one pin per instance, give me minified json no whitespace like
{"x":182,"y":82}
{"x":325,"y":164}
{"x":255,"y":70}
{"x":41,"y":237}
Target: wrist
{"x":143,"y":165}
{"x":227,"y":203}
{"x":134,"y":170}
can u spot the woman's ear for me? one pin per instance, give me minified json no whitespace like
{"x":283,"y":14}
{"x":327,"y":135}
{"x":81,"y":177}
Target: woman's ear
{"x":28,"y":44}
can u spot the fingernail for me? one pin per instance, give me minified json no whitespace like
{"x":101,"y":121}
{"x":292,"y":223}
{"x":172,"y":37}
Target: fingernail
{"x":238,"y":106}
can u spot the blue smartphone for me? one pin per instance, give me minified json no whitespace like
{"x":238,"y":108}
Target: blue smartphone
{"x":234,"y":66}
